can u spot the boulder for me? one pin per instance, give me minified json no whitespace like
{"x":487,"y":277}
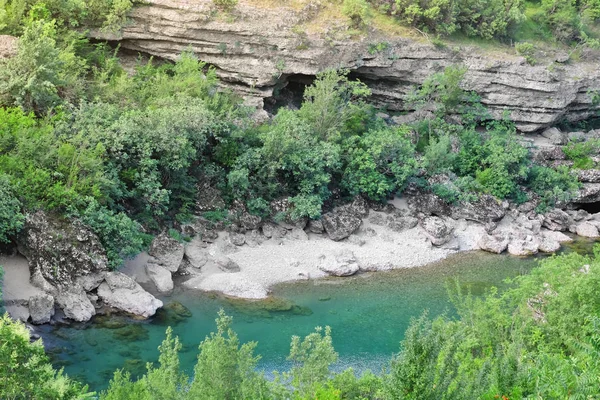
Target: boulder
{"x":524,"y":247}
{"x":41,"y":308}
{"x":555,"y":136}
{"x":75,"y":305}
{"x":167,"y":251}
{"x":557,"y":236}
{"x":274,"y":231}
{"x":486,"y":209}
{"x":226,"y":264}
{"x":60,"y":250}
{"x":359,"y":207}
{"x":341,"y":223}
{"x":557,"y":220}
{"x":122,"y":293}
{"x":249,"y":222}
{"x":588,"y":175}
{"x":427,"y":203}
{"x":161,"y":277}
{"x":588,"y":193}
{"x":436,"y":230}
{"x":316,"y":226}
{"x":342,"y":264}
{"x":237,"y":239}
{"x":586,"y":229}
{"x":493,"y":243}
{"x":195,"y":253}
{"x":548,"y":245}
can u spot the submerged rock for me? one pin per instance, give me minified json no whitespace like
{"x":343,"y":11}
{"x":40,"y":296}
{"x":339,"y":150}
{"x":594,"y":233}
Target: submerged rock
{"x":123,"y":293}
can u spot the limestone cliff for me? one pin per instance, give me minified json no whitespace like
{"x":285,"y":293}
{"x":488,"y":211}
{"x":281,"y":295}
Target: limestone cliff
{"x":257,"y":49}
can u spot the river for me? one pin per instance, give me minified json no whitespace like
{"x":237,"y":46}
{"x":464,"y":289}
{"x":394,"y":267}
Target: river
{"x":368,"y":314}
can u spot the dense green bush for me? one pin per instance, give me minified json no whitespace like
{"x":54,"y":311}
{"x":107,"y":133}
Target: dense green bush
{"x":11,"y":218}
{"x":25,"y":370}
{"x":484,"y":18}
{"x":357,"y":11}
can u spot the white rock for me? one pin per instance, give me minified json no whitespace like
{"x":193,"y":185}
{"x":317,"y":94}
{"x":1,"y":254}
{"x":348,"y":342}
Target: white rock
{"x":76,"y":305}
{"x":586,"y":229}
{"x":493,"y":244}
{"x":549,"y":246}
{"x":123,"y":293}
{"x":41,"y":308}
{"x":161,"y":277}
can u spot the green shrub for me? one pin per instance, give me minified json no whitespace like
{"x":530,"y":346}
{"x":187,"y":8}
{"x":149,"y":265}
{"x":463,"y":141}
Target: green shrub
{"x":580,"y":153}
{"x":11,"y":218}
{"x":226,"y":5}
{"x":526,"y":50}
{"x":26,"y":371}
{"x":357,"y":11}
{"x":554,"y":186}
{"x":120,"y":236}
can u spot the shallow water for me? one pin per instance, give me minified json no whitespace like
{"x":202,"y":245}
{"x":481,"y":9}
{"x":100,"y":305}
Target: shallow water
{"x":368,"y":315}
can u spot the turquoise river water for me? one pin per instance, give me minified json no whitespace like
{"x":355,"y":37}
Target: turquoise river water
{"x":368,"y":315}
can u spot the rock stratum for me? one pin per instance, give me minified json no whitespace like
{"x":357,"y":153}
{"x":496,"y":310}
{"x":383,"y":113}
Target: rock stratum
{"x":258,"y":49}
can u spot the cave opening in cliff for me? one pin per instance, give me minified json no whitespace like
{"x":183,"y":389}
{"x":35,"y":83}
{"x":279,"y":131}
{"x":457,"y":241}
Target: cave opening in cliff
{"x":288,"y":92}
{"x":592,"y":208}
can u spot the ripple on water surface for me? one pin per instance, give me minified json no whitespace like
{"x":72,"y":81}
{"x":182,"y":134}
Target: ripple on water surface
{"x":368,"y":315}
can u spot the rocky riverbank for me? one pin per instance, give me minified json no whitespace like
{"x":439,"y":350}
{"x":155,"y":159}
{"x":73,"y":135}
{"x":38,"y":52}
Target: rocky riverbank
{"x":249,"y":256}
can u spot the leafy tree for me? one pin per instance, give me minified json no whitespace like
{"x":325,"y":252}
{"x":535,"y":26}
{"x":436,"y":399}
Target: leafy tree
{"x":31,"y":79}
{"x":331,"y":103}
{"x":11,"y":218}
{"x":379,"y":163}
{"x":226,"y":370}
{"x":26,"y":373}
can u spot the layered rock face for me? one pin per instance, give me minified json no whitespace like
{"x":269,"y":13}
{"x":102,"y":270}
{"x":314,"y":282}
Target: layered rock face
{"x":256,"y":50}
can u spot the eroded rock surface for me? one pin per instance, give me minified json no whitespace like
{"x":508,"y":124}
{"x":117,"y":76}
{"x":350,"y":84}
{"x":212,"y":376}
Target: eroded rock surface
{"x":260,"y":49}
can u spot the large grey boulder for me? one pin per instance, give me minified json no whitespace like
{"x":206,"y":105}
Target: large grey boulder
{"x":586,"y":229}
{"x":75,"y":305}
{"x":557,"y":220}
{"x":167,"y":251}
{"x":60,"y":250}
{"x":524,"y":246}
{"x":195,"y":253}
{"x":341,"y":223}
{"x":555,"y":136}
{"x":342,"y":264}
{"x":41,"y":308}
{"x":161,"y":277}
{"x":548,"y":245}
{"x":484,"y":210}
{"x":493,"y":243}
{"x":437,"y":230}
{"x":122,"y":293}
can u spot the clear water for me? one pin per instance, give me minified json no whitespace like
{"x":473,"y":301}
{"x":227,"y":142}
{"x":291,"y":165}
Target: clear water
{"x":368,"y":315}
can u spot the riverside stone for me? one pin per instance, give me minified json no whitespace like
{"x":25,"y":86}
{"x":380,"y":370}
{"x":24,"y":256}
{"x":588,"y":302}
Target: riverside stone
{"x":167,"y":251}
{"x":586,"y":229}
{"x":123,"y":293}
{"x":436,"y":230}
{"x":41,"y":308}
{"x":161,"y":277}
{"x":493,"y":243}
